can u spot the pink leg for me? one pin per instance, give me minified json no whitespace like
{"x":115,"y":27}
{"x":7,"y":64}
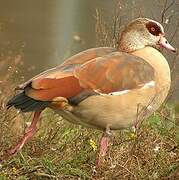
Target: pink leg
{"x":104,"y":143}
{"x":30,"y":131}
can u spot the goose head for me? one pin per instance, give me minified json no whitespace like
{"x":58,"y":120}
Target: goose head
{"x":143,"y":32}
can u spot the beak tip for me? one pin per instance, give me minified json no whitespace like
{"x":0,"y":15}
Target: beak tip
{"x":174,"y":50}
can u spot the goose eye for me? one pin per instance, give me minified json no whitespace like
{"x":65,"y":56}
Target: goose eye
{"x":152,"y":29}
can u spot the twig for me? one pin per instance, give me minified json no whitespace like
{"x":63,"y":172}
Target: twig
{"x":165,"y":9}
{"x":128,"y":171}
{"x":44,"y":175}
{"x":167,"y":118}
{"x":174,"y":33}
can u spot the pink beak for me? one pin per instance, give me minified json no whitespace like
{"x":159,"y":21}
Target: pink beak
{"x":165,"y":44}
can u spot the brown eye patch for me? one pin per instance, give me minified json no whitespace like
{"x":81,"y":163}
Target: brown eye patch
{"x":154,"y":28}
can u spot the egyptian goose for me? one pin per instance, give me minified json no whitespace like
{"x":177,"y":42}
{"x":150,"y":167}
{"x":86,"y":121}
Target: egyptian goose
{"x":103,"y":88}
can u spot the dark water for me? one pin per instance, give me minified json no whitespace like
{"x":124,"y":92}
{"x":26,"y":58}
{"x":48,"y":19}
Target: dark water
{"x":48,"y":31}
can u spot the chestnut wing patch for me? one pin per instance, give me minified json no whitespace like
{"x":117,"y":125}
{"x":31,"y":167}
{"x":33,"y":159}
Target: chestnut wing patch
{"x":68,"y":65}
{"x":51,"y":88}
{"x":115,"y":72}
{"x":60,"y":81}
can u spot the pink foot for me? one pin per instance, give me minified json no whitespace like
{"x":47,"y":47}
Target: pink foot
{"x":104,"y":143}
{"x":28,"y":135}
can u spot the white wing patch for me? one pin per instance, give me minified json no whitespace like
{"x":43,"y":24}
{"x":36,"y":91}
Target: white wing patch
{"x":149,"y":85}
{"x":119,"y":92}
{"x":114,"y":93}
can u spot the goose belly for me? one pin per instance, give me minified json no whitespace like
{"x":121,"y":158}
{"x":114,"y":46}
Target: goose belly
{"x":120,"y":111}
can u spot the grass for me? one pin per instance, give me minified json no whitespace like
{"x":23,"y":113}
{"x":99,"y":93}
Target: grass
{"x":61,"y":150}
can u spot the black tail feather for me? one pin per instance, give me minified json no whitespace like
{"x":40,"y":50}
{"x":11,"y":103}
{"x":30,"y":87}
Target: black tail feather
{"x":26,"y":104}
